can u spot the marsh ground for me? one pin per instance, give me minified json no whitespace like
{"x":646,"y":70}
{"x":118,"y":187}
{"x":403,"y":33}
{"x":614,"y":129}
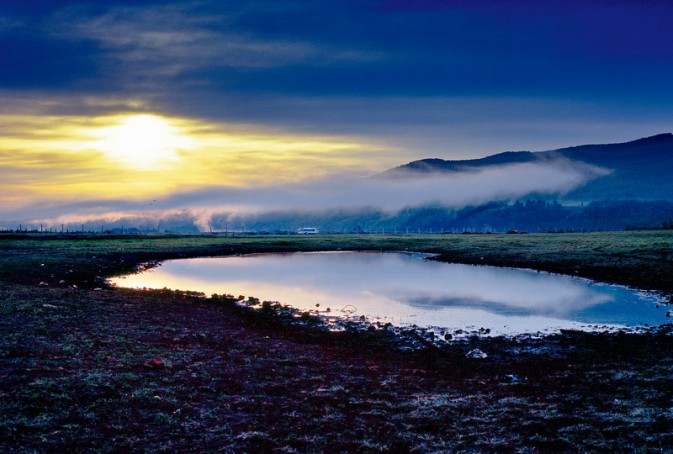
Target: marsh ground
{"x":115,"y":370}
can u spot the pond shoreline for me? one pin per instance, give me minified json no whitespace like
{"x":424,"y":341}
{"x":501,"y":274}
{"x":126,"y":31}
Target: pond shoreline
{"x":449,"y":303}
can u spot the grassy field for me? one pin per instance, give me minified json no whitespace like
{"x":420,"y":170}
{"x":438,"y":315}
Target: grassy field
{"x":85,"y":368}
{"x":639,"y":259}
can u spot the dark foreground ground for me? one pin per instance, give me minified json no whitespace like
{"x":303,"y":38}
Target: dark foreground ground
{"x":118,"y":371}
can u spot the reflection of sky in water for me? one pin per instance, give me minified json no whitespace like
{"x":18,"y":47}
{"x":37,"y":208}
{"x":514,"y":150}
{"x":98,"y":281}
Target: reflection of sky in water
{"x":403,"y":289}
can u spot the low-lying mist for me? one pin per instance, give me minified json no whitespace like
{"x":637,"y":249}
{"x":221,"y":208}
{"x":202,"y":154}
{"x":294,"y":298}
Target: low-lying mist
{"x":197,"y":210}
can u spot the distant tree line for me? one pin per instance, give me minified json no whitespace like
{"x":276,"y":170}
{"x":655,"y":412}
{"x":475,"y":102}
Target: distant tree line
{"x":532,"y":215}
{"x":528,"y":215}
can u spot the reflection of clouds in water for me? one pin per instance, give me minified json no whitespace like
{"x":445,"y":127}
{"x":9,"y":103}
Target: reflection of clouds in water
{"x":558,"y":309}
{"x":503,"y":291}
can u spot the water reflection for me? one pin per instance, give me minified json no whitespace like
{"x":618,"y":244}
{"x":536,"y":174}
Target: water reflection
{"x":403,"y":289}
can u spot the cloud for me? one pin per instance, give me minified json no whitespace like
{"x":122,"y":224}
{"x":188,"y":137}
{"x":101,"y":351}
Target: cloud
{"x":173,"y":39}
{"x":194,"y":45}
{"x":49,"y":159}
{"x":456,"y":190}
{"x":458,"y":127}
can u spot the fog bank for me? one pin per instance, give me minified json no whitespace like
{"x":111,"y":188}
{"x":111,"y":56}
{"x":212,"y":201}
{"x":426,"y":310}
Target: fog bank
{"x":388,"y":195}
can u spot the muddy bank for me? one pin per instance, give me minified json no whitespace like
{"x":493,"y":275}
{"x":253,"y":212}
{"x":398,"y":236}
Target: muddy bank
{"x":126,"y":370}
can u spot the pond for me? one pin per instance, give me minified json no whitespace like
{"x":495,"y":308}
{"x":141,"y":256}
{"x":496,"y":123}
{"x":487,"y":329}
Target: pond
{"x":404,"y":289}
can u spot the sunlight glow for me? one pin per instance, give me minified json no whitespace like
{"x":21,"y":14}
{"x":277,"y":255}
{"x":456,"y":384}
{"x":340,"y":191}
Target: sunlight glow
{"x":55,"y":159}
{"x":142,"y":141}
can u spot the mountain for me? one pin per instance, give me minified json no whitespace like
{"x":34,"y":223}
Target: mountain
{"x":440,"y":165}
{"x":639,"y":170}
{"x":634,"y":190}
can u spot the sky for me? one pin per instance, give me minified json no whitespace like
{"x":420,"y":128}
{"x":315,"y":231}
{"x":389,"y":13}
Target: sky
{"x":140,"y":106}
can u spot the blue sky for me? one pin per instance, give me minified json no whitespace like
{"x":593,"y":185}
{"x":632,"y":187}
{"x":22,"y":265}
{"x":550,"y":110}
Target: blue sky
{"x":397,"y":80}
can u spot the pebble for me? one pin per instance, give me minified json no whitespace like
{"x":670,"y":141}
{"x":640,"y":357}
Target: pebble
{"x":476,"y":354}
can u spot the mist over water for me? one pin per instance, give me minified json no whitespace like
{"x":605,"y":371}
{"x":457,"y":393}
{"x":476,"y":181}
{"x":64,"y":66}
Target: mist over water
{"x":403,"y":289}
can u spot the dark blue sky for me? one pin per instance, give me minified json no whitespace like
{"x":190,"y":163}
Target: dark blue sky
{"x":439,"y":78}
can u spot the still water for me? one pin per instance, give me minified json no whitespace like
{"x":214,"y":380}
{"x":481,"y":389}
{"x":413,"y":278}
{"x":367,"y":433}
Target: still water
{"x":404,"y":289}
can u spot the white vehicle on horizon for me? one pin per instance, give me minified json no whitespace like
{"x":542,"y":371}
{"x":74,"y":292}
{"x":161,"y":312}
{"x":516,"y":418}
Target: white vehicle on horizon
{"x":307,"y":231}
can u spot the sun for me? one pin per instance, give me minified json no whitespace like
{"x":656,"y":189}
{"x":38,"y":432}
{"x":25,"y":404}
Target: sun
{"x":142,"y":141}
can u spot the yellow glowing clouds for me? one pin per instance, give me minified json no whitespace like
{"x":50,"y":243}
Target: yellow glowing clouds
{"x":140,"y":155}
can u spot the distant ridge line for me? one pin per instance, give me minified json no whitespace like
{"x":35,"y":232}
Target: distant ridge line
{"x":664,"y":136}
{"x":511,"y":157}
